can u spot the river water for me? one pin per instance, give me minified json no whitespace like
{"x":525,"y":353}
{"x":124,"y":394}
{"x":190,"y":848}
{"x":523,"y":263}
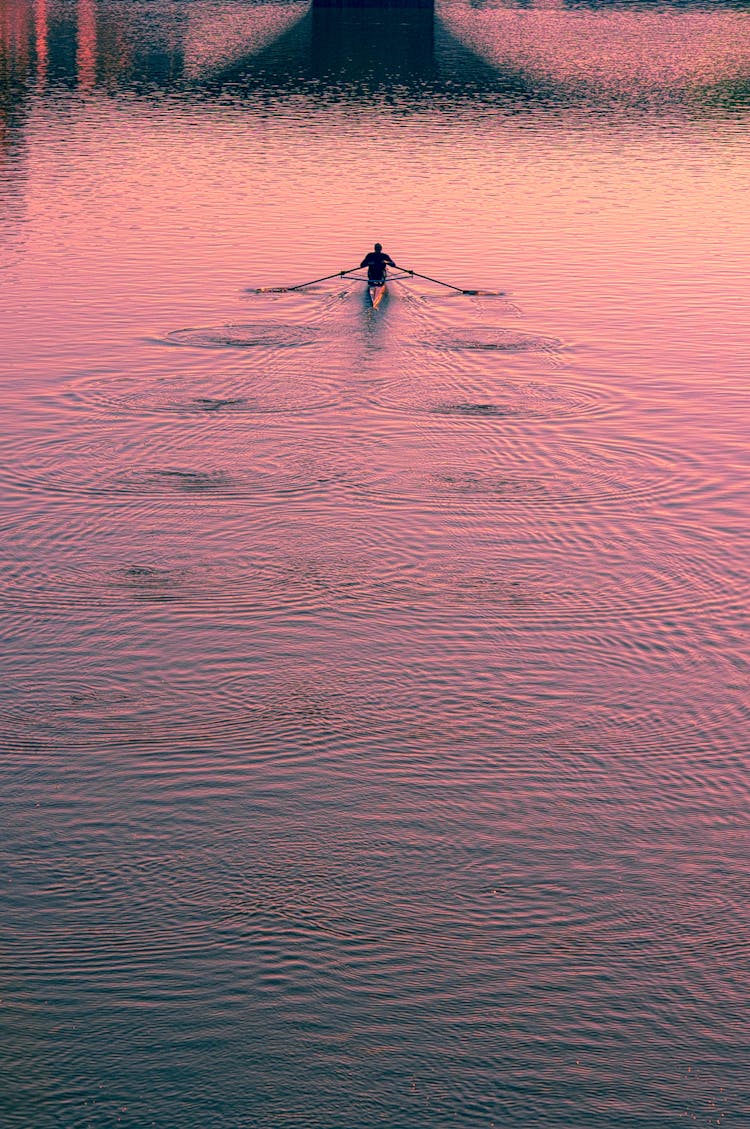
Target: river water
{"x":374,"y":706}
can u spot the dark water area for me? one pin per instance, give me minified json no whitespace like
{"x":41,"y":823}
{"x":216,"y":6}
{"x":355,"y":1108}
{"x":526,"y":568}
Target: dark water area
{"x":374,"y":706}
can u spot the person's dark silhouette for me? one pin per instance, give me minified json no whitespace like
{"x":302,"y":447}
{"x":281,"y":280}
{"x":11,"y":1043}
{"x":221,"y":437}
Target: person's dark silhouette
{"x":376,"y":262}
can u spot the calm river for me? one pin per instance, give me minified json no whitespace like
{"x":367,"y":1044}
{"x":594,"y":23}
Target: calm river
{"x":374,"y":705}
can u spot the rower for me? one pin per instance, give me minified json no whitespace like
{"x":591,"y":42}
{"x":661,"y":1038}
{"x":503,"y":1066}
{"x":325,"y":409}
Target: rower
{"x":376,"y":261}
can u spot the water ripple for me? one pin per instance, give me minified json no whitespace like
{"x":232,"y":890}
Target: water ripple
{"x":510,"y":472}
{"x":492,"y":339}
{"x":226,"y":465}
{"x":245,"y":336}
{"x":464,"y":396}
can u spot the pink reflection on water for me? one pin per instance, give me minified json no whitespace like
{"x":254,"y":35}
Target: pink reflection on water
{"x":14,"y":38}
{"x":40,"y":40}
{"x":86,"y":46}
{"x":616,"y":51}
{"x":222,"y":33}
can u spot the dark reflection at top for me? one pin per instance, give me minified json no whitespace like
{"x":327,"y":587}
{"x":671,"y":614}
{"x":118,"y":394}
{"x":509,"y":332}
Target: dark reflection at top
{"x":203,"y":50}
{"x":117,"y":46}
{"x":17,"y":72}
{"x":349,"y":54}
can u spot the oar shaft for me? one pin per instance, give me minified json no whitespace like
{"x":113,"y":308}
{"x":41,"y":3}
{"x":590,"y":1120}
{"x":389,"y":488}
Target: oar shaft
{"x":439,"y":282}
{"x":345,"y":273}
{"x":302,"y":285}
{"x":324,"y":278}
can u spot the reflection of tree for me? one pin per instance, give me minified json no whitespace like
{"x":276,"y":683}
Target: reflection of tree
{"x":86,"y":47}
{"x":13,"y":173}
{"x":86,"y":42}
{"x":40,"y":39}
{"x":141,"y":44}
{"x":115,"y":48}
{"x":16,"y":31}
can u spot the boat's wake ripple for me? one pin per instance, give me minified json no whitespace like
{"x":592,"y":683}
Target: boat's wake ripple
{"x":493,"y":338}
{"x":245,"y":336}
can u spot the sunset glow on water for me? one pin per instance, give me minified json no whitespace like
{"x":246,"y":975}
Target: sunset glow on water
{"x":374,"y":710}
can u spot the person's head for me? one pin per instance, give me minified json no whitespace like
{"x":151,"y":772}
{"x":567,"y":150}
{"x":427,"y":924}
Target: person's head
{"x":378,"y":246}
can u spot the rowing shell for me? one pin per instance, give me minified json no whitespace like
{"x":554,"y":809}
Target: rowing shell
{"x":376,"y":290}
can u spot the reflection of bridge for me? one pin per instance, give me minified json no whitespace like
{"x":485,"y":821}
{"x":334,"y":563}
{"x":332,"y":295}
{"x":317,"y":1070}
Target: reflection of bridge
{"x":207,"y":44}
{"x":522,"y":50}
{"x":382,"y":4}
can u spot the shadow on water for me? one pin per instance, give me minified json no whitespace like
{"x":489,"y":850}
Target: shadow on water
{"x":356,"y":53}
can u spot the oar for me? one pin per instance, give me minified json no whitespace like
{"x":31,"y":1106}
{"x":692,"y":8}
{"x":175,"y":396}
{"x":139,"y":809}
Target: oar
{"x":302,"y":285}
{"x":458,"y":289}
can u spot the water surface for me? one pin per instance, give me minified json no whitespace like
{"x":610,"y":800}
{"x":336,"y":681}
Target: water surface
{"x":374,"y":707}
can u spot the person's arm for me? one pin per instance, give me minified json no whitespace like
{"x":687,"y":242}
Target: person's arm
{"x":365,"y":262}
{"x":389,"y":260}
